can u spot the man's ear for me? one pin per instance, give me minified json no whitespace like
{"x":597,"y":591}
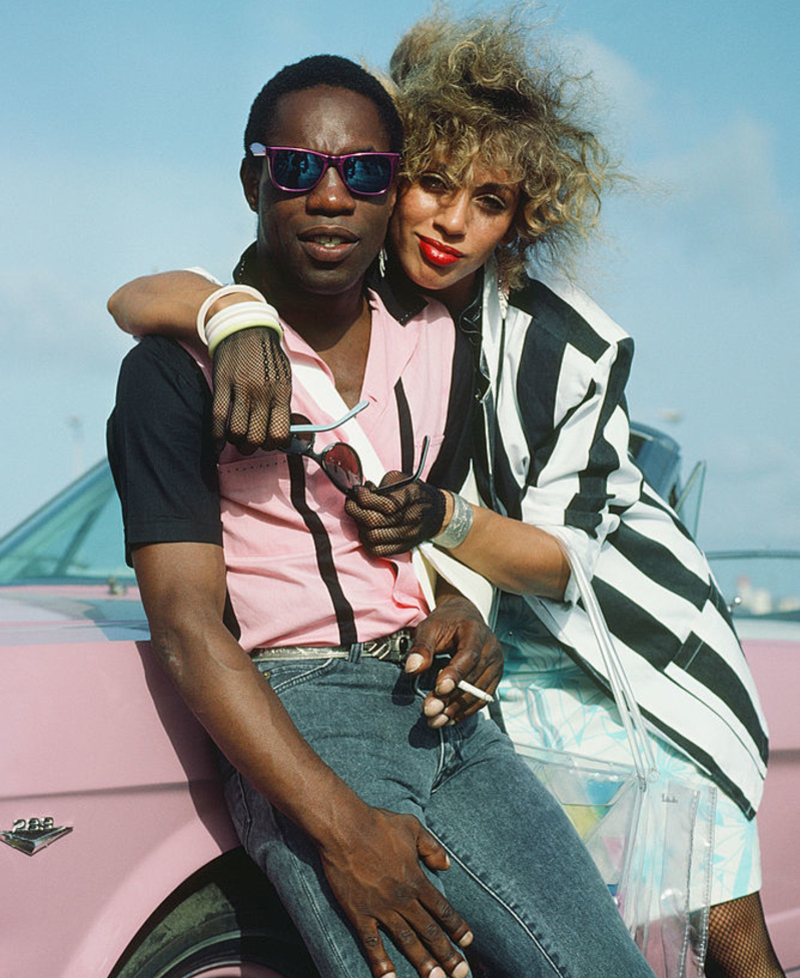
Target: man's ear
{"x":250,"y":182}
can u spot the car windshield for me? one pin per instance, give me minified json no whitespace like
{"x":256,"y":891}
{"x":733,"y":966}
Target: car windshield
{"x":759,"y":583}
{"x":75,"y":538}
{"x":659,"y":458}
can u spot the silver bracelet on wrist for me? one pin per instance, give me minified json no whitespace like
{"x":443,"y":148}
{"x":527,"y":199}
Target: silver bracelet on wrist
{"x":455,"y":533}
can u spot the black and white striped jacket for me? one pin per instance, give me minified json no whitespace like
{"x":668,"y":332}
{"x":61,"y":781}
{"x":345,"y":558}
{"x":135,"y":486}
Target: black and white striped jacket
{"x":557,"y":432}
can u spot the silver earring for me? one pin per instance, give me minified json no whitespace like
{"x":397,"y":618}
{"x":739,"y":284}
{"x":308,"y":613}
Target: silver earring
{"x":502,"y":295}
{"x":382,"y":262}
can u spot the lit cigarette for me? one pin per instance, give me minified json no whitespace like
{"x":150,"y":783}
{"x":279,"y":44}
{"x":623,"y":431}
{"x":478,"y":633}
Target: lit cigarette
{"x":478,"y":693}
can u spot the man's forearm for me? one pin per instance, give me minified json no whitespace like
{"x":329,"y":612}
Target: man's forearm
{"x":225,"y":691}
{"x":250,"y":725}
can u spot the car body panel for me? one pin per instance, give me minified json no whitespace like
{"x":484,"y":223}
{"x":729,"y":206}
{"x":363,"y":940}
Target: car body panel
{"x":111,"y":751}
{"x":773,"y":652}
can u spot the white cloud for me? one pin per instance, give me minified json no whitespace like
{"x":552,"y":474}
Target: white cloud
{"x":728,"y":199}
{"x":706,"y":277}
{"x":626,"y":93}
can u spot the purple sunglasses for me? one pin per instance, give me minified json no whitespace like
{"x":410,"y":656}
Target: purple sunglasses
{"x":296,"y":171}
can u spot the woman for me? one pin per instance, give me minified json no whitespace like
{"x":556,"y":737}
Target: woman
{"x":497,"y":170}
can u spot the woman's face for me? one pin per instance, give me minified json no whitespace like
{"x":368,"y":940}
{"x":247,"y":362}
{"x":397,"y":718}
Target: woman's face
{"x":444,"y":234}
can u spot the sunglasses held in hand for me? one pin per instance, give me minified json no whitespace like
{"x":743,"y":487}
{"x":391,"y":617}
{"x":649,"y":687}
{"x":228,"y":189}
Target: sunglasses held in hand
{"x":296,"y":171}
{"x":340,"y":461}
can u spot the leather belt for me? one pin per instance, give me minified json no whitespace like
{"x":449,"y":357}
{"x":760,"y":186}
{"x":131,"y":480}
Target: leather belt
{"x":392,"y":648}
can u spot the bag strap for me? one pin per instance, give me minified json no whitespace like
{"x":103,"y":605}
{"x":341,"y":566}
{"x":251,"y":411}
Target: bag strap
{"x":632,"y":719}
{"x":317,"y":382}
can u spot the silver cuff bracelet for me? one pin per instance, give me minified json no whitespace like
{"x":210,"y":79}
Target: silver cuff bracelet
{"x":455,"y":533}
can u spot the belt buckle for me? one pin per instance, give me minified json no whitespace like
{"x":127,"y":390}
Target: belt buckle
{"x":383,"y":649}
{"x":396,"y":646}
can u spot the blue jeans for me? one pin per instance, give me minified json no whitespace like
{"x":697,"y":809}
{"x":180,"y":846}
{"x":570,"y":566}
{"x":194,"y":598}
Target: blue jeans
{"x":519,"y":875}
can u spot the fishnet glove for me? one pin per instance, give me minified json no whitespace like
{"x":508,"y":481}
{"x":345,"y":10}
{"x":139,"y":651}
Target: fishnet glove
{"x":398,"y":521}
{"x":252,"y":391}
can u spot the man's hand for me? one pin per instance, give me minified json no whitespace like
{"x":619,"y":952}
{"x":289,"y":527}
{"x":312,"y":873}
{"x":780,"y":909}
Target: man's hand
{"x":378,"y":881}
{"x":252,"y":391}
{"x":455,"y":627}
{"x":371,"y":857}
{"x":394,"y":523}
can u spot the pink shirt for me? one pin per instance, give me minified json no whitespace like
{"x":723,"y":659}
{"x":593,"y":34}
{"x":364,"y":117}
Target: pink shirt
{"x":276,"y":586}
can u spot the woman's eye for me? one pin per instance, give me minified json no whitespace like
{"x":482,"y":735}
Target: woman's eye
{"x":492,"y":203}
{"x":433,"y":182}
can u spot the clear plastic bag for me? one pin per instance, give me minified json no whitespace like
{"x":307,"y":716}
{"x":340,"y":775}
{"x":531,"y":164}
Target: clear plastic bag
{"x":664,"y":892}
{"x":601,"y":800}
{"x":650,"y":835}
{"x":652,"y":843}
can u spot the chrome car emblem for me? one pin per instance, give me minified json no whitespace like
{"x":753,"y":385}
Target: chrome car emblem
{"x":34,"y":834}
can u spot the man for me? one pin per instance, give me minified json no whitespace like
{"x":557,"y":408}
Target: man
{"x":370,"y":823}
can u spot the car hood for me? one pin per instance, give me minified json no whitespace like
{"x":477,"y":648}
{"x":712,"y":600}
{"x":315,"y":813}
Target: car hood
{"x":56,"y":614}
{"x":761,"y":628}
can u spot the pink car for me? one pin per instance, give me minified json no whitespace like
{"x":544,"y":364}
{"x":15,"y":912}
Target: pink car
{"x":764,"y":589}
{"x":119,"y":857}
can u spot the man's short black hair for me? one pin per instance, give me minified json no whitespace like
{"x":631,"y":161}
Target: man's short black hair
{"x":321,"y":69}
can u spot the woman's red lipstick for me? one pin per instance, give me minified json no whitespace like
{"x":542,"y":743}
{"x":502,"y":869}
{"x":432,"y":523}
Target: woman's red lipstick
{"x":438,"y":253}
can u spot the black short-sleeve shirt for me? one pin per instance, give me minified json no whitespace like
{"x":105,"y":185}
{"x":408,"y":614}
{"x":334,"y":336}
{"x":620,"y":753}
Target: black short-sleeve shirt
{"x":160,"y":449}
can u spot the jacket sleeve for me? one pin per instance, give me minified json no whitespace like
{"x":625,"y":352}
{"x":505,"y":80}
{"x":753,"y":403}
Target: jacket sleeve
{"x":574,"y":427}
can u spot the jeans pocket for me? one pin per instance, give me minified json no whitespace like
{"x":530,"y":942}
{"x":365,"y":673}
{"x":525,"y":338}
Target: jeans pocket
{"x":284,"y":675}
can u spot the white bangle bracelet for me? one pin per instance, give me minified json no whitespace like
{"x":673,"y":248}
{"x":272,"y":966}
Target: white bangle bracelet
{"x":455,"y":533}
{"x":202,"y":312}
{"x":242,"y":315}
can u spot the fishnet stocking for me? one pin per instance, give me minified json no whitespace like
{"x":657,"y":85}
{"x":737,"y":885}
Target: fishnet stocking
{"x":738,"y":941}
{"x":252,"y":391}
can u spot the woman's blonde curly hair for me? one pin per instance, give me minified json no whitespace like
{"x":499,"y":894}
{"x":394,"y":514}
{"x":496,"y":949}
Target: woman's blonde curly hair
{"x":477,"y":90}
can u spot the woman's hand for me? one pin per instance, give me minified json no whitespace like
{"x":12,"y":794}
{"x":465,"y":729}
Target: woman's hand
{"x":455,"y":628}
{"x":392,"y":524}
{"x":252,"y":391}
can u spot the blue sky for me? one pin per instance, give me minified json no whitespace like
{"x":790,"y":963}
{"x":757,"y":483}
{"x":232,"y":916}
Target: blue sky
{"x":121,"y":143}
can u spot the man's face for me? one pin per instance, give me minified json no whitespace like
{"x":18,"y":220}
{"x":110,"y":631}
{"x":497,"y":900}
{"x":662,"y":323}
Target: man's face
{"x":322,"y":241}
